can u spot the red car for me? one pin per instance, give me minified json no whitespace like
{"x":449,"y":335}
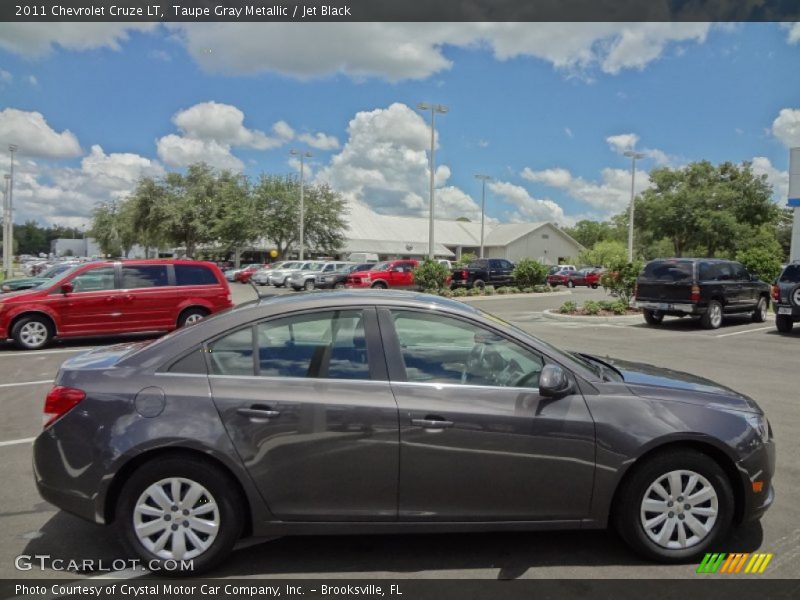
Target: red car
{"x":245,"y":274}
{"x":101,"y":298}
{"x":559,"y":278}
{"x":589,"y":277}
{"x":391,"y":274}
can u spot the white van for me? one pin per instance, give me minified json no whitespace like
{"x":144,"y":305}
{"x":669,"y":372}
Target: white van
{"x":362,"y":257}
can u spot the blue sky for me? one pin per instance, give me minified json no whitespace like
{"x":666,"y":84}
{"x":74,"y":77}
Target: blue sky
{"x":545,"y":109}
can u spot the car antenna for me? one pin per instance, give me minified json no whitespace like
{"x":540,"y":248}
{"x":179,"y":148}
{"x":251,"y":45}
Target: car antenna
{"x":255,"y":289}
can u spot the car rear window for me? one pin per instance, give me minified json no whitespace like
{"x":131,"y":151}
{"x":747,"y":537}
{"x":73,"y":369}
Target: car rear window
{"x":194,"y":275}
{"x":791,"y":274}
{"x":673,"y":270}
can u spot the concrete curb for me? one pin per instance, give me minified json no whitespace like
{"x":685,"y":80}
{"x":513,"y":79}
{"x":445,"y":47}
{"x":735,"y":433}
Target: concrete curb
{"x":510,"y":296}
{"x":619,"y":320}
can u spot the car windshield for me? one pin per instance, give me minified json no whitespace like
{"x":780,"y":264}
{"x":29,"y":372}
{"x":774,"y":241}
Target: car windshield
{"x":381,"y":266}
{"x":313,"y":266}
{"x":291,"y":265}
{"x":53,"y":271}
{"x":791,"y":274}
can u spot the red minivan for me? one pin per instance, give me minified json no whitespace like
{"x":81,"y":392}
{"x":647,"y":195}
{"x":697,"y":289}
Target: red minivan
{"x":114,"y":297}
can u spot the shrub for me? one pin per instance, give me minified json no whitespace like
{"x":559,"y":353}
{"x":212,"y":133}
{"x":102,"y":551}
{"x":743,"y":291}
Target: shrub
{"x":446,"y":293}
{"x":528,"y":290}
{"x":541,"y":289}
{"x":765,"y":262}
{"x":591,"y":307}
{"x":608,"y":304}
{"x":568,"y":307}
{"x":529,"y":272}
{"x":620,"y":279}
{"x":488,"y":290}
{"x":503,"y":290}
{"x":431,"y":275}
{"x":460,"y":292}
{"x":620,"y":308}
{"x":474,"y":291}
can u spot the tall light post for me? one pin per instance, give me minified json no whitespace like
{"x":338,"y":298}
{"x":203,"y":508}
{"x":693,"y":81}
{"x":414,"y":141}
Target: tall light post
{"x":634,"y":156}
{"x":12,"y":148}
{"x":303,"y":156}
{"x":441,"y":109}
{"x":6,"y":218}
{"x":484,"y":179}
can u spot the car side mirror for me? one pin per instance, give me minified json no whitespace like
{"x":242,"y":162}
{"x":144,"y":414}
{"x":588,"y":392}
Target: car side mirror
{"x":554,"y":382}
{"x":67,"y":288}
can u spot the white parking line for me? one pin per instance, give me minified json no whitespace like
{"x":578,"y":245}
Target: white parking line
{"x":16,"y":442}
{"x":722,"y":335}
{"x":21,"y":383}
{"x":40,"y":352}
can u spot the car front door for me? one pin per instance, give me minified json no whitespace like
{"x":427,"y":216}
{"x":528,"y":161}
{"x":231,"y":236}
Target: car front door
{"x":93,"y":305}
{"x":306,"y":401}
{"x":477,"y":440}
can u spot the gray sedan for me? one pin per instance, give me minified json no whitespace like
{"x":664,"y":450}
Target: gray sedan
{"x":356,"y":412}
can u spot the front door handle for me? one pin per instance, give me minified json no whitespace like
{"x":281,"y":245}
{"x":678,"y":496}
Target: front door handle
{"x":430,"y":422}
{"x":257,"y":412}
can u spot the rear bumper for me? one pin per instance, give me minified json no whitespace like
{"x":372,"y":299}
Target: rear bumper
{"x":670,"y":308}
{"x":787,"y":310}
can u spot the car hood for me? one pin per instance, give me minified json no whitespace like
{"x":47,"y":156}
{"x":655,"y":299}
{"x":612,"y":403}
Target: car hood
{"x":21,"y":295}
{"x":650,"y":381}
{"x":25,"y":281}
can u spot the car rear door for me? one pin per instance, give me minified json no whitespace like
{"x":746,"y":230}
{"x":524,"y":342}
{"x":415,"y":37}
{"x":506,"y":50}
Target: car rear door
{"x":306,"y":401}
{"x":148,"y":297}
{"x":477,"y":440}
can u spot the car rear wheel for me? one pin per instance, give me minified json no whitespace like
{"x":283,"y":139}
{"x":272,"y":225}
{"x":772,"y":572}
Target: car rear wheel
{"x":594,"y":286}
{"x":379,"y":285}
{"x":712,"y":318}
{"x":784,"y":323}
{"x":652,"y":317}
{"x":570,"y":284}
{"x":180,"y":508}
{"x":190,"y":316}
{"x":32,"y":333}
{"x":675,"y":506}
{"x":309,"y":285}
{"x":760,"y":313}
{"x":479,"y":284}
{"x":339,"y":286}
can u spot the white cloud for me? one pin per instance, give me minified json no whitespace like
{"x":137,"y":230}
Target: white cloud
{"x":775,"y":177}
{"x":384,"y":164}
{"x":35,"y":137}
{"x":178,"y":151}
{"x":527,"y":208}
{"x":568,"y":132}
{"x":5,"y":77}
{"x":609,"y":196}
{"x":622,"y":142}
{"x":38,"y":39}
{"x":67,"y":196}
{"x":319,"y":140}
{"x":638,"y":44}
{"x":786,"y":127}
{"x":33,"y":81}
{"x":794,"y":32}
{"x":308,"y":170}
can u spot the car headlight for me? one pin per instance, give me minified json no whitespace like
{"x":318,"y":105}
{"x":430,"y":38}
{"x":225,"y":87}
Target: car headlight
{"x":760,"y":424}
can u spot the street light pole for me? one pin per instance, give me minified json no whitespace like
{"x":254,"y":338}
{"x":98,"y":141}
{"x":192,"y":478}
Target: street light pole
{"x":303,"y":156}
{"x":12,"y":148}
{"x":484,"y":179}
{"x":634,"y":156}
{"x":441,"y":109}
{"x":6,"y":216}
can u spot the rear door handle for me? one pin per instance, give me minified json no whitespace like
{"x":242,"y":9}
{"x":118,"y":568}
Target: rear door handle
{"x":256,"y":412}
{"x":432,"y":423}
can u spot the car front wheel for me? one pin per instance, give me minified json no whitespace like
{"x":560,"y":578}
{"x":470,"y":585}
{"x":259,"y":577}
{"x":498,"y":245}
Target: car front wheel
{"x":675,"y":506}
{"x":32,"y":333}
{"x":180,"y":509}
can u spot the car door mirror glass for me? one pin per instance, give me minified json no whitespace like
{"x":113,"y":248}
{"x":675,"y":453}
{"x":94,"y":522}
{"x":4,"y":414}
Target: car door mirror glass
{"x":553,"y":381}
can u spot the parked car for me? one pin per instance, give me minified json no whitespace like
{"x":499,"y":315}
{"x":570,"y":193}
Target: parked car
{"x":483,"y":271}
{"x":445,"y":262}
{"x":557,"y":268}
{"x":707,"y":288}
{"x":561,"y":277}
{"x":26,"y":283}
{"x":280,"y":277}
{"x":103,"y":298}
{"x":338,"y":279}
{"x":786,"y":294}
{"x":362,"y":257}
{"x":290,"y":416}
{"x":390,"y":274}
{"x":307,"y":279}
{"x":244,"y":275}
{"x":261,"y":277}
{"x":589,"y":277}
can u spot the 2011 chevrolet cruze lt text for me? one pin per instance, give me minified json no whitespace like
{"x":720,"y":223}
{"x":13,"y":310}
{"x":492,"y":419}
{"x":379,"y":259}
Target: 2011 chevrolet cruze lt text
{"x":355,"y":412}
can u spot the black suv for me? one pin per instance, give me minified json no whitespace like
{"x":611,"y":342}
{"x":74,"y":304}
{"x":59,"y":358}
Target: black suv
{"x":702,"y":287}
{"x":786,"y":294}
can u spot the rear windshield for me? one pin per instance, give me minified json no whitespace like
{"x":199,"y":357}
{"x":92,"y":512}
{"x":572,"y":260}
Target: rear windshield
{"x":668,"y":270}
{"x":791,"y":274}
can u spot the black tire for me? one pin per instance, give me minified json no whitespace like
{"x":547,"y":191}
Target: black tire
{"x":32,"y":332}
{"x":629,"y":498}
{"x":479,"y":284}
{"x":594,"y":286}
{"x":309,"y":285}
{"x":712,"y":319}
{"x":784,"y":323}
{"x":338,"y":286}
{"x":379,"y":285}
{"x":570,"y":284}
{"x":191,"y":316}
{"x":652,"y":317}
{"x":222,"y":490}
{"x":761,"y":311}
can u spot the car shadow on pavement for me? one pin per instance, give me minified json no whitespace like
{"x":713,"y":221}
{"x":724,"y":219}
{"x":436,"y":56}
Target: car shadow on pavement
{"x":65,"y":537}
{"x":693,"y":323}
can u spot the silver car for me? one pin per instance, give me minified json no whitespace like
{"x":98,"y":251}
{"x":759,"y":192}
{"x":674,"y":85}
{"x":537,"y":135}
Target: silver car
{"x":261,"y":277}
{"x":306,"y":279}
{"x":278,"y":277}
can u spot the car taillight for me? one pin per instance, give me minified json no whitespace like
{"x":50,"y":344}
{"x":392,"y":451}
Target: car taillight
{"x":59,"y":402}
{"x":464,"y":275}
{"x":776,"y":293}
{"x":695,"y":295}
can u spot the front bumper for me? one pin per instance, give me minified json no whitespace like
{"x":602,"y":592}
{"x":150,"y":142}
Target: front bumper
{"x":757,"y":467}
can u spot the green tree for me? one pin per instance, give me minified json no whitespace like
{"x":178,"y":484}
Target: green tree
{"x":588,"y":233}
{"x":762,"y":254}
{"x":147,"y":213}
{"x":466,"y":258}
{"x":620,"y":279}
{"x":188,"y":209}
{"x":604,"y":254}
{"x":235,"y":224}
{"x":104,"y":228}
{"x":528,"y":272}
{"x":431,"y":275}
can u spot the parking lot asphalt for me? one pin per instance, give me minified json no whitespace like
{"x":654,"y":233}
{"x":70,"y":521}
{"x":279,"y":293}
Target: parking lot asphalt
{"x":749,"y":357}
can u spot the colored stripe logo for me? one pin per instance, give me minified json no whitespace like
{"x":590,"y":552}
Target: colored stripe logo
{"x":737,"y":562}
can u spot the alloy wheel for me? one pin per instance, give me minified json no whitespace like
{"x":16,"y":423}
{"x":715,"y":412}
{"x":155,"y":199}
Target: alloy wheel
{"x":716,"y":315}
{"x":33,"y":334}
{"x":679,"y":509}
{"x":176,"y":518}
{"x":193,"y":318}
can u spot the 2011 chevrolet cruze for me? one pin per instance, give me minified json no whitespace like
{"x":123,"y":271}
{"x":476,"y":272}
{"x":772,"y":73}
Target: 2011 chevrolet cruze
{"x":351,"y":412}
